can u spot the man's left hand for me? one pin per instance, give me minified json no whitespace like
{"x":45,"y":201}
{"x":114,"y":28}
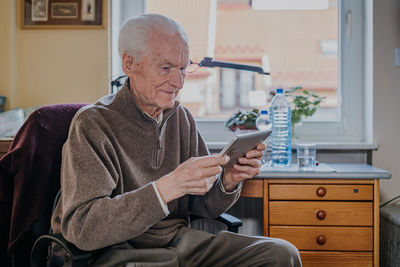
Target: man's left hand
{"x":248,"y":167}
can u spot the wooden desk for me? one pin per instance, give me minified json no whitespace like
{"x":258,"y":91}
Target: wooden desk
{"x":4,"y":146}
{"x":332,"y":218}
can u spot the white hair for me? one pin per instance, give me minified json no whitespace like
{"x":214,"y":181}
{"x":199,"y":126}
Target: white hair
{"x":136,"y":31}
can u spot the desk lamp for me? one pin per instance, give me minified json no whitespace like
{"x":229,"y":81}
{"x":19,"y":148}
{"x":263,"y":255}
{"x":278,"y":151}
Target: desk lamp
{"x":209,"y":63}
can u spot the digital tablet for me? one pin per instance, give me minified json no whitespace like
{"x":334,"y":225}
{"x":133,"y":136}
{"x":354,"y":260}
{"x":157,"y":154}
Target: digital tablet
{"x":241,"y":144}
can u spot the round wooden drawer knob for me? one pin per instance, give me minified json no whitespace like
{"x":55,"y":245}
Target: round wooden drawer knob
{"x":321,"y":240}
{"x":321,"y":214}
{"x":321,"y":191}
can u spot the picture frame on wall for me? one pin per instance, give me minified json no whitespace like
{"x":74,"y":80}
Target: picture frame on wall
{"x":39,"y":10}
{"x":68,"y":14}
{"x":64,"y":10}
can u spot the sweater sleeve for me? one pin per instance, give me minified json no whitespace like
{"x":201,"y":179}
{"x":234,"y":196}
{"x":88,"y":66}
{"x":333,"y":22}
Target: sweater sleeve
{"x":92,"y":216}
{"x":216,"y":201}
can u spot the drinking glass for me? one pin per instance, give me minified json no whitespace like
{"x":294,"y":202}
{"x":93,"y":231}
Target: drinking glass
{"x":306,"y":154}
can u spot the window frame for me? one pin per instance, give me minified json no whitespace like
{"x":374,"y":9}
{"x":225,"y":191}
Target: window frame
{"x":238,"y":77}
{"x":354,"y":109}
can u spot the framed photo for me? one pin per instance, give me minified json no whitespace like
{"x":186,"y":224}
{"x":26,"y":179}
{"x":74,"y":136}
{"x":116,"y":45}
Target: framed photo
{"x":64,"y":10}
{"x":39,"y":10}
{"x":72,"y":14}
{"x":88,"y":8}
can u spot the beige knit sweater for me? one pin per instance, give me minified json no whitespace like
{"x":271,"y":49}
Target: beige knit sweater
{"x":113,"y":153}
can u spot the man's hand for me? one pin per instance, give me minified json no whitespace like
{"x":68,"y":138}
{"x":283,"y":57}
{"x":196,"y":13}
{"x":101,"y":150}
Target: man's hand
{"x":248,"y":167}
{"x":195,"y":176}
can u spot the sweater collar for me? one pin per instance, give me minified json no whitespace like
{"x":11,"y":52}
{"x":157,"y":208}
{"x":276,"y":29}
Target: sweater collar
{"x":129,"y":105}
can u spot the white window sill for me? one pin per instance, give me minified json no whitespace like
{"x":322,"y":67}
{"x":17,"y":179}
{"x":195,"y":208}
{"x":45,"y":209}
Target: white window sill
{"x":217,"y":145}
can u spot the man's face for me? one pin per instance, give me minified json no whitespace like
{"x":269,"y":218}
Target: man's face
{"x":158,"y":77}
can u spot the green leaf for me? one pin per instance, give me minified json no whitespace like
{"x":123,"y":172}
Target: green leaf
{"x":304,"y":103}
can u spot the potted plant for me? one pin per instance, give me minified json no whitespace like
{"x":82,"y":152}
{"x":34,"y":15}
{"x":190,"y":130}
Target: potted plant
{"x":243,"y":120}
{"x":304,"y":104}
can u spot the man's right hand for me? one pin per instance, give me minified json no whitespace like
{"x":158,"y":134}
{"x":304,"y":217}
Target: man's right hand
{"x":195,"y":176}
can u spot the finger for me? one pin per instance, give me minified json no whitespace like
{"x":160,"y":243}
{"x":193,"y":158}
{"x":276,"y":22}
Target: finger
{"x":245,"y":168}
{"x":261,"y":146}
{"x":224,"y":159}
{"x":250,"y":171}
{"x":209,"y":161}
{"x":254,"y":162}
{"x":254,"y":154}
{"x":239,"y":175}
{"x":242,"y":168}
{"x":208,"y":172}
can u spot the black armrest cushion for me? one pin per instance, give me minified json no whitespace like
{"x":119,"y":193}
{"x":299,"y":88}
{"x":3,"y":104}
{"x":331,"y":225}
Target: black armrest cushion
{"x":230,"y":221}
{"x":40,"y":251}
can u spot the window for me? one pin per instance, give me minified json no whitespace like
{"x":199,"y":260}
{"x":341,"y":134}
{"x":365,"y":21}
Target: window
{"x":321,"y":46}
{"x":235,"y":89}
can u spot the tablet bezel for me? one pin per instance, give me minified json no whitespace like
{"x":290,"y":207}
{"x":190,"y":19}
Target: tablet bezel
{"x":241,"y":144}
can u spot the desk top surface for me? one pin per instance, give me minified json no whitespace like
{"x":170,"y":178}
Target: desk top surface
{"x":327,"y":171}
{"x":323,"y":171}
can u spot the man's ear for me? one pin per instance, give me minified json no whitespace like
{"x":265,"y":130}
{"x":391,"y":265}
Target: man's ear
{"x":127,"y":64}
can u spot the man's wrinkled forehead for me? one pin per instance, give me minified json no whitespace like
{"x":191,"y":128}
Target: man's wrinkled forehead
{"x":171,"y":49}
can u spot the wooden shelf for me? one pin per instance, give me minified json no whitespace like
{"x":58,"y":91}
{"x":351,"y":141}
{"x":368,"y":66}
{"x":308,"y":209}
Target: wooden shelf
{"x":4,"y":146}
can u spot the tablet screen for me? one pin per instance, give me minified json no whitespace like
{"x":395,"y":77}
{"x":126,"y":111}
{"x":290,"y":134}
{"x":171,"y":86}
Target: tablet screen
{"x":241,"y":144}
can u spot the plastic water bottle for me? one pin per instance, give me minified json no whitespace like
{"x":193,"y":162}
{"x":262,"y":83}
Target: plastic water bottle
{"x":263,"y":123}
{"x":266,"y":159}
{"x":280,"y":116}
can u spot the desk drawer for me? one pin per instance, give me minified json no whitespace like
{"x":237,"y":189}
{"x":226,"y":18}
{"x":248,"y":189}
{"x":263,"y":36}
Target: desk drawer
{"x":321,"y":213}
{"x":336,"y":259}
{"x":253,"y":188}
{"x":326,"y":238}
{"x":356,"y":192}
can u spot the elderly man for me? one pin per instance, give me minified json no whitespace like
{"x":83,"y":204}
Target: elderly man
{"x":134,"y":167}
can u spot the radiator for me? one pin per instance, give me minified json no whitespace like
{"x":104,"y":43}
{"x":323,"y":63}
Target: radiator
{"x":389,"y":247}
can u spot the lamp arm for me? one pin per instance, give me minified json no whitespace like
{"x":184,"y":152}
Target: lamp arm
{"x":209,"y":62}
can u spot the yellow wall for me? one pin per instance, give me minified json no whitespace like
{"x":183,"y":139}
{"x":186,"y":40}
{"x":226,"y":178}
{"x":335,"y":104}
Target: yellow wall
{"x":5,"y":49}
{"x":40,"y":67}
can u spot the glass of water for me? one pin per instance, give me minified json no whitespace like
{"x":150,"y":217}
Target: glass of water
{"x":306,"y":154}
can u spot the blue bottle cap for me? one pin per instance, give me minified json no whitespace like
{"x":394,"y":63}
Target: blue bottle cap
{"x":279,"y":91}
{"x":264,"y":112}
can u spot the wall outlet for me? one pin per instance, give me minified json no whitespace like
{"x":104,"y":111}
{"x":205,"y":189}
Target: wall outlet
{"x":397,"y":57}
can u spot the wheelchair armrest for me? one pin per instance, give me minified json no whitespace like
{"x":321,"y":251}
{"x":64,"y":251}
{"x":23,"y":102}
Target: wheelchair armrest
{"x":230,"y":221}
{"x":40,"y":249}
{"x":39,"y":253}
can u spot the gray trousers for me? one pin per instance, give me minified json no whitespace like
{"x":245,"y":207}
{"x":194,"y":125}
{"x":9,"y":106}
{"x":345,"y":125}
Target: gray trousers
{"x":193,"y":247}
